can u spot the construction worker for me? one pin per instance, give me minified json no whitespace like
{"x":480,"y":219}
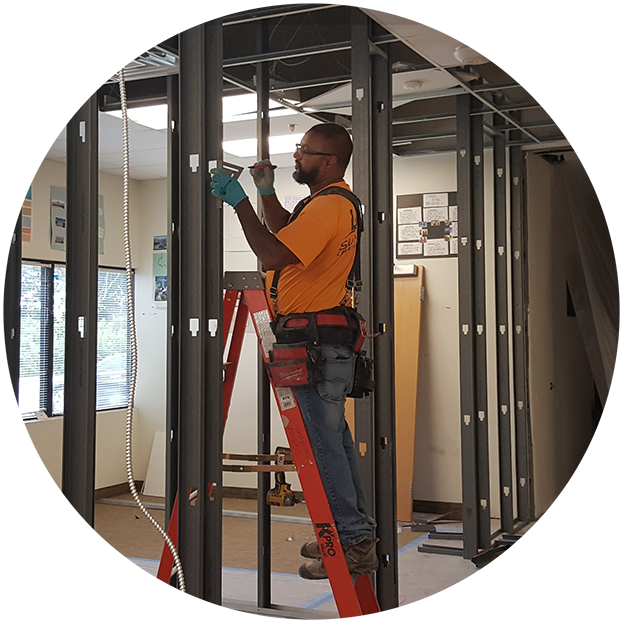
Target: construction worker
{"x":308,"y":256}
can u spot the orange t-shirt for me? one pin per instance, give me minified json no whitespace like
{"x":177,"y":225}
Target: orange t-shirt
{"x":324,"y":238}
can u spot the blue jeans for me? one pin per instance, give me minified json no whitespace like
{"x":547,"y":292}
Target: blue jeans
{"x":323,"y":410}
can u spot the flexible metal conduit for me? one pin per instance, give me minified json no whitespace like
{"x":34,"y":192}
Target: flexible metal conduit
{"x":133,"y":337}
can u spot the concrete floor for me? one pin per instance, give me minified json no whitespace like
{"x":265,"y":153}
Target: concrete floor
{"x":130,"y":552}
{"x":420,"y":574}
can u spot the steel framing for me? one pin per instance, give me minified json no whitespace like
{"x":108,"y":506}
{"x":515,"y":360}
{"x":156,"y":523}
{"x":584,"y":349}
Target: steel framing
{"x":371,"y":129}
{"x":361,"y":177}
{"x":506,"y":491}
{"x":78,"y":478}
{"x":11,"y":420}
{"x":524,"y":495}
{"x":173,"y":278}
{"x":200,"y":357}
{"x":264,"y":390}
{"x":195,"y":346}
{"x":472,"y":319}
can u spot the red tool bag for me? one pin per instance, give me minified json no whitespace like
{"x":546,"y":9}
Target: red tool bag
{"x":295,"y":364}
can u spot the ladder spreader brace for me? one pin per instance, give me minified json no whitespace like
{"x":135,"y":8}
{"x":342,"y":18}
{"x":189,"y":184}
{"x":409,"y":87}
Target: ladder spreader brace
{"x":245,"y":293}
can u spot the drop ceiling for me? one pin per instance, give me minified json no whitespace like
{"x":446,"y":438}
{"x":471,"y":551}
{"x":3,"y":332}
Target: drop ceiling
{"x":309,"y":58}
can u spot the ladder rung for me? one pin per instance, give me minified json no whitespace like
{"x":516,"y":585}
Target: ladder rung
{"x":259,"y":468}
{"x":278,"y":458}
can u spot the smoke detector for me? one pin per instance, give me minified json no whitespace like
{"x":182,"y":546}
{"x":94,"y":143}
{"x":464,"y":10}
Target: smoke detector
{"x":413,"y":85}
{"x":468,"y":56}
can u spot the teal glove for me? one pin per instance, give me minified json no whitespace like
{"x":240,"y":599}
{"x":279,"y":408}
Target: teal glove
{"x":226,"y":187}
{"x":262,"y":173}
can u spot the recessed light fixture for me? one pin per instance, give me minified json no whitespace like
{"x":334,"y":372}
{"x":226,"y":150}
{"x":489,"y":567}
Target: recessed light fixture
{"x":279,"y":144}
{"x":235,"y":108}
{"x":154,"y":117}
{"x":468,"y":56}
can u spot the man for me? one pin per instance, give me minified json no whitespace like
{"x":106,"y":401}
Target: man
{"x":314,"y":254}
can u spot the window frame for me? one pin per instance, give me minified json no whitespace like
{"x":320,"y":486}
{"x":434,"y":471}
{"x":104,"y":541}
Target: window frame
{"x":50,"y":268}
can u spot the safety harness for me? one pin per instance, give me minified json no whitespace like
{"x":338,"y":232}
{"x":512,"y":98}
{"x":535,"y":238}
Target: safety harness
{"x":353,"y":286}
{"x":296,"y":355}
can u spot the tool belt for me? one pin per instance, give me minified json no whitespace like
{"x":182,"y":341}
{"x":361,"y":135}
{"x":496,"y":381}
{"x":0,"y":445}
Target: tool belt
{"x":295,"y":359}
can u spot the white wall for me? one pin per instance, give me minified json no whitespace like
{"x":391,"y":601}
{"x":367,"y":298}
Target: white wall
{"x":47,"y":436}
{"x":437,"y":470}
{"x":42,"y":441}
{"x":560,"y":379}
{"x":437,"y":474}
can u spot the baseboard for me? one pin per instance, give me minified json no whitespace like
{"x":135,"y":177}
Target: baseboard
{"x":238,"y":492}
{"x":116,"y":489}
{"x":437,"y":507}
{"x":230,"y":492}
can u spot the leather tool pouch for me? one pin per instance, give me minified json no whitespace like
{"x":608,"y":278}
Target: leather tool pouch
{"x":295,"y":364}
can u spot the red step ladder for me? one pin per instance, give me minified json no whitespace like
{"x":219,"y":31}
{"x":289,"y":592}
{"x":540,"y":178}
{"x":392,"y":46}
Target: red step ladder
{"x":245,"y":294}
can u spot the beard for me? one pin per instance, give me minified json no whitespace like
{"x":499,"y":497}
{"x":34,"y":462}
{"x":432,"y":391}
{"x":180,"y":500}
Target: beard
{"x":306,"y":177}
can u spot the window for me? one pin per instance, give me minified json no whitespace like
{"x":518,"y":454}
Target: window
{"x":42,"y":339}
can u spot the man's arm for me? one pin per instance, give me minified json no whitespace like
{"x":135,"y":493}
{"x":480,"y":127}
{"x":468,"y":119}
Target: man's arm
{"x":276,"y":217}
{"x":271,"y":253}
{"x":273,"y":212}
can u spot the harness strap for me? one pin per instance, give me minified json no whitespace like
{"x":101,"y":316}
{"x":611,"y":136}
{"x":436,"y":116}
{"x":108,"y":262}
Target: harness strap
{"x":354,"y":282}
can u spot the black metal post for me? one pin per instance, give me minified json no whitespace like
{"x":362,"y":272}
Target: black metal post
{"x":479,"y":303}
{"x":519,"y":342}
{"x":81,"y":310}
{"x":364,"y":436}
{"x":506,"y":495}
{"x":173,"y":293}
{"x":264,"y":393}
{"x":375,"y":415}
{"x":387,"y":583}
{"x":201,"y":312}
{"x":466,"y":319}
{"x":11,"y":418}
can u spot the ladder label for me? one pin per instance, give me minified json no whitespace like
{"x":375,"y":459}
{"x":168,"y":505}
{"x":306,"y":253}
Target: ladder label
{"x":286,"y":399}
{"x":265,"y":333}
{"x":326,"y":539}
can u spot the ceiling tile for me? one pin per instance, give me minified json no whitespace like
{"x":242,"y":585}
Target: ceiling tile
{"x":153,"y":172}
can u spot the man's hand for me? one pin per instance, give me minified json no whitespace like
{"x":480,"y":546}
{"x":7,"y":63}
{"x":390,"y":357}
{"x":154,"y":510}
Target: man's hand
{"x":226,"y":187}
{"x":262,"y":174}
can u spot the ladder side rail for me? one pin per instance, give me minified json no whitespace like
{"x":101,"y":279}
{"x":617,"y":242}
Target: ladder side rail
{"x":167,"y":559}
{"x":345,"y":594}
{"x":234,"y":353}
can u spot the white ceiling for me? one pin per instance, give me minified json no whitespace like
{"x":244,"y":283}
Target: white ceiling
{"x":435,"y":32}
{"x":148,"y":147}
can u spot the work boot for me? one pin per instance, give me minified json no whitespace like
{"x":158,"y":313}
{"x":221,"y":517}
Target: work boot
{"x":311,"y":550}
{"x":361,"y":559}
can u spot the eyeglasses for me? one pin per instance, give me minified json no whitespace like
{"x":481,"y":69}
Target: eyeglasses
{"x":298,"y":148}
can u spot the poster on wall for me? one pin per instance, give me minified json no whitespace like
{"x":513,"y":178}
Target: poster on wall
{"x":159,"y":270}
{"x":58,"y":219}
{"x":27,"y":218}
{"x":427,"y":225}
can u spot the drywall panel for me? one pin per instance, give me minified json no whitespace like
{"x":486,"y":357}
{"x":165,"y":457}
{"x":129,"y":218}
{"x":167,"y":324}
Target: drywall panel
{"x":560,"y":382}
{"x":437,"y":471}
